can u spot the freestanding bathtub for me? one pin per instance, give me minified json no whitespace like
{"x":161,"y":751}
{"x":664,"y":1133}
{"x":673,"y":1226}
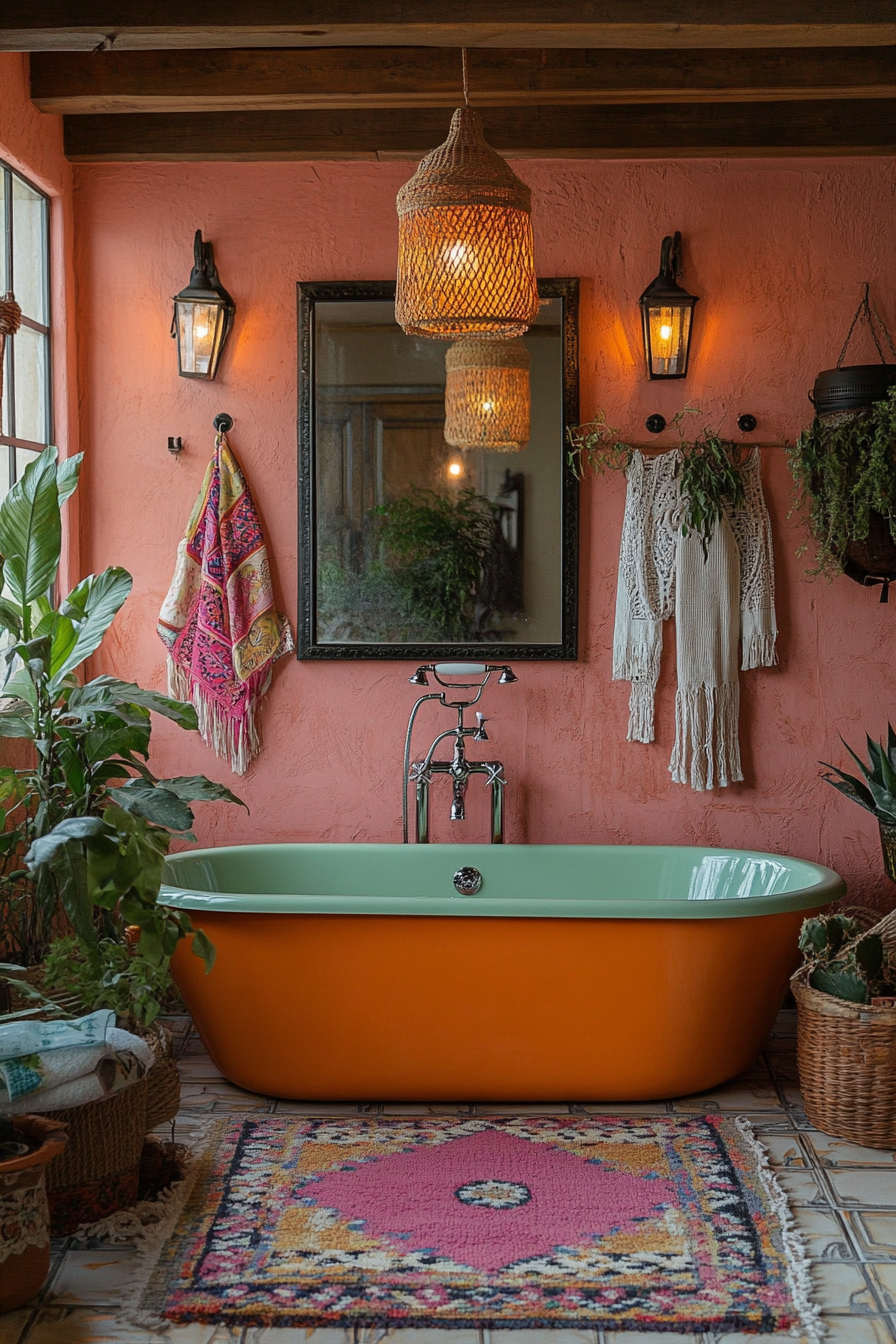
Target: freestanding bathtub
{"x":576,"y":972}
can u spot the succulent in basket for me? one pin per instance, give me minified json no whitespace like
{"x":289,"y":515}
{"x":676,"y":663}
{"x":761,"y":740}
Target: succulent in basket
{"x":875,"y":791}
{"x":844,"y":963}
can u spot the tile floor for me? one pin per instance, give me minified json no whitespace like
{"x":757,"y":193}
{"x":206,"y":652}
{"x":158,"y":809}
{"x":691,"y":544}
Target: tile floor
{"x":843,"y":1197}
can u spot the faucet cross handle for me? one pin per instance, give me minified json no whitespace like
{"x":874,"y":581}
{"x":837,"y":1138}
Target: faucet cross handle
{"x":480,"y":734}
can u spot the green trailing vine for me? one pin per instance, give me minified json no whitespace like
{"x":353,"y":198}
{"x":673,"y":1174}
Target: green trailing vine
{"x":844,"y":468}
{"x":710,"y":473}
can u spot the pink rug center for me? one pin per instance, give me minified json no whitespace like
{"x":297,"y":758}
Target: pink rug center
{"x":488,"y":1199}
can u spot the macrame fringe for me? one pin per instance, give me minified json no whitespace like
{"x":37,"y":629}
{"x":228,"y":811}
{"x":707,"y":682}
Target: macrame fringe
{"x":706,"y":754}
{"x":798,"y":1268}
{"x":759,"y":650}
{"x":640,"y":711}
{"x":236,"y":740}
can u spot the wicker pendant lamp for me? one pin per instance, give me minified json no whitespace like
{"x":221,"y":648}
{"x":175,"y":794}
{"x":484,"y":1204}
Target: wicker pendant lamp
{"x":487,"y":395}
{"x":466,"y":264}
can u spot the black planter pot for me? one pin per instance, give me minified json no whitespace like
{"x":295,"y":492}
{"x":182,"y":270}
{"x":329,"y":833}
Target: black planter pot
{"x":851,"y":389}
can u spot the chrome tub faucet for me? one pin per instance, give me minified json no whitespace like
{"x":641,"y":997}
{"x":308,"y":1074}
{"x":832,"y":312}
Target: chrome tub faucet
{"x":459,"y":768}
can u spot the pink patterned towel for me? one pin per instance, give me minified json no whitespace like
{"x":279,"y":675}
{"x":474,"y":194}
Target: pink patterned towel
{"x":218,"y":619}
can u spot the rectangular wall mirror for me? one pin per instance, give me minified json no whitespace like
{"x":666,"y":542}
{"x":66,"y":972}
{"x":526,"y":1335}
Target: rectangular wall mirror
{"x":409,"y":545}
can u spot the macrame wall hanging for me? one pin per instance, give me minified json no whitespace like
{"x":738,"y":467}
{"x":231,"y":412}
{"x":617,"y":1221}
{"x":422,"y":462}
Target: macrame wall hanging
{"x":721,"y":597}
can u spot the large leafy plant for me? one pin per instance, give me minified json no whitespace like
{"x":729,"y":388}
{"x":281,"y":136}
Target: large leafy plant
{"x":88,"y":824}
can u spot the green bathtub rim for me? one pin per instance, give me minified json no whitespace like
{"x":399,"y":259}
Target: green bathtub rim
{"x":820,"y":885}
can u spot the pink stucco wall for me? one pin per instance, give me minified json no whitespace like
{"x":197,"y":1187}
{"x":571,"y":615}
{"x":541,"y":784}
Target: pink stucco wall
{"x":778,"y":250}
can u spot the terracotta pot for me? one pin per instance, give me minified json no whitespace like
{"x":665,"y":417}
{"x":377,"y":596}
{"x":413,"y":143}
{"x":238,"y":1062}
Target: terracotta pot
{"x":24,"y":1218}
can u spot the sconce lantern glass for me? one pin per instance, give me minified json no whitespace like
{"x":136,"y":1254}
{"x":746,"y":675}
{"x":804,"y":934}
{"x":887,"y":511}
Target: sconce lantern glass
{"x":203,"y":316}
{"x":667,"y":313}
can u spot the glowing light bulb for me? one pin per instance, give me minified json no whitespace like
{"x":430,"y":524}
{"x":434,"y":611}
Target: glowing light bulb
{"x":455,"y":469}
{"x":665,"y":332}
{"x":200,"y":332}
{"x":488,"y":405}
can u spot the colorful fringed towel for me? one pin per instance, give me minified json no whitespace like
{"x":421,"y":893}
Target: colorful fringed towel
{"x":218,"y":619}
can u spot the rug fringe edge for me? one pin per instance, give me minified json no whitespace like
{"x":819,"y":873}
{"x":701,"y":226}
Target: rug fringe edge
{"x":152,"y":1236}
{"x":796,"y":1256}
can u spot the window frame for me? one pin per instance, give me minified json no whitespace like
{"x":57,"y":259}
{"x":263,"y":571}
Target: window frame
{"x":12,"y":441}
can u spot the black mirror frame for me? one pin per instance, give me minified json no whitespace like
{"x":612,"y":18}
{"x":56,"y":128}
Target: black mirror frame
{"x":312,"y":292}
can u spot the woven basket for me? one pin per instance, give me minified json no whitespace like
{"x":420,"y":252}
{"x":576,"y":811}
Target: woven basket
{"x":99,"y":1172}
{"x":847,"y":1060}
{"x":163,"y":1079}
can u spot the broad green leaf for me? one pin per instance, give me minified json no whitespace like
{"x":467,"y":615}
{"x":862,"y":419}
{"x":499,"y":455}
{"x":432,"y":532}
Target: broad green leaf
{"x":113,"y":693}
{"x":10,"y":617}
{"x":850,"y":786}
{"x":203,"y":947}
{"x":47,"y":846}
{"x":69,"y":868}
{"x":99,"y":597}
{"x":156,"y":805}
{"x":31,"y":530}
{"x":19,"y":687}
{"x":12,"y":789}
{"x":67,"y":473}
{"x":198,"y":789}
{"x":15,"y":724}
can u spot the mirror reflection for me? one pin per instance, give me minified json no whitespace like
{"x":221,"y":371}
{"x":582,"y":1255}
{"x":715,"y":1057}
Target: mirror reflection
{"x":442,"y":516}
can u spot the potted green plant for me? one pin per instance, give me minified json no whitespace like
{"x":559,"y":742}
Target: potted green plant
{"x":27,"y":1144}
{"x":875,"y":791}
{"x":844,"y":463}
{"x":88,"y":824}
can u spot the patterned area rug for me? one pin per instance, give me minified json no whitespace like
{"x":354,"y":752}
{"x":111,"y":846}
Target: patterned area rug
{"x":655,"y":1223}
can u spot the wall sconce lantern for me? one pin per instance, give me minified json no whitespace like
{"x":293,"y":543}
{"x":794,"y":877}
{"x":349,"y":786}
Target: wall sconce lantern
{"x":203,"y":316}
{"x":666,"y":313}
{"x":487,"y":395}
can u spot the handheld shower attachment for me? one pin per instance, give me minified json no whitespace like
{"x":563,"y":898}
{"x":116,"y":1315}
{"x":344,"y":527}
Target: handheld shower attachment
{"x":458,"y":768}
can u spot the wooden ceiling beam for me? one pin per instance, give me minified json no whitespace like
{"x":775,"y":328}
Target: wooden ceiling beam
{"x":811,"y":127}
{"x":344,"y":77}
{"x":78,"y":25}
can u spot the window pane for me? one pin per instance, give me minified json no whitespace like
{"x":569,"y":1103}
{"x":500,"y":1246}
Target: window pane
{"x":24,"y":456}
{"x":4,"y":206}
{"x":4,"y":470}
{"x":31,"y":351}
{"x":29,"y":250}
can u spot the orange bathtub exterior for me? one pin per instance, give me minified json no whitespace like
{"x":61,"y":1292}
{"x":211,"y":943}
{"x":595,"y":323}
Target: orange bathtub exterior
{"x":357,"y":1007}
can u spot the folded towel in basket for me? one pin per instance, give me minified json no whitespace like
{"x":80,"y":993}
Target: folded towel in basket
{"x":43,"y":1067}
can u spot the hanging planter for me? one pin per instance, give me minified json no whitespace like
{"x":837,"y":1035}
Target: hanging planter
{"x":487,"y":395}
{"x":844,"y":463}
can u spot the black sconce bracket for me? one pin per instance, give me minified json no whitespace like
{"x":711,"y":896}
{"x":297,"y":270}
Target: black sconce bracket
{"x":223,"y":422}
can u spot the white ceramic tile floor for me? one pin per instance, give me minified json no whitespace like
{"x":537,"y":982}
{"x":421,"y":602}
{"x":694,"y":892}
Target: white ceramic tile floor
{"x":843,"y":1198}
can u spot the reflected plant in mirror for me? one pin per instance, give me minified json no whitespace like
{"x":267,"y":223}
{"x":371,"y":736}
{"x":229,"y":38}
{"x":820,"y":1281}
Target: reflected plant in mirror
{"x":421,"y":538}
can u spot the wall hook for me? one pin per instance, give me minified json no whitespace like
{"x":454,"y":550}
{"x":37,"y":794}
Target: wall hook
{"x":223,"y":422}
{"x":746,"y":423}
{"x":655,"y":424}
{"x":175,"y":445}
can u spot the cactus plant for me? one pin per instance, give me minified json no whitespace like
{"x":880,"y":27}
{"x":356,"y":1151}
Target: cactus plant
{"x":845,"y":964}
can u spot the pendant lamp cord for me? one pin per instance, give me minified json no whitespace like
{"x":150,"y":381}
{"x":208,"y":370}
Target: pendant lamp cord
{"x":463,"y":59}
{"x":868,"y":313}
